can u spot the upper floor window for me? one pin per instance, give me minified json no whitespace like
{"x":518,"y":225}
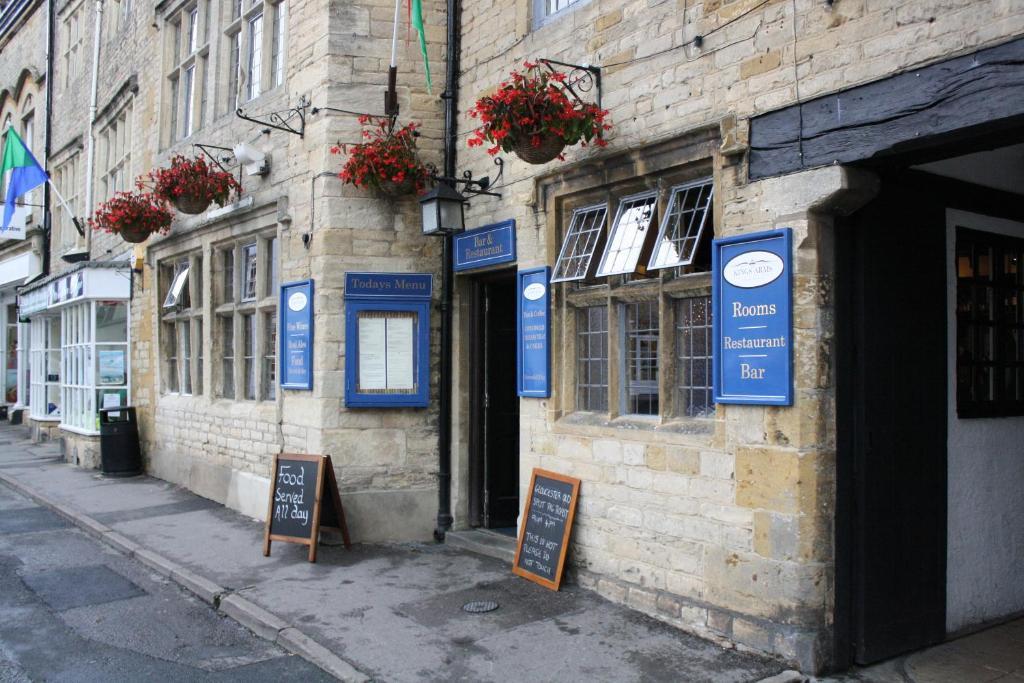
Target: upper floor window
{"x":117,"y":16}
{"x":547,"y":9}
{"x":71,"y":44}
{"x":66,"y":178}
{"x":989,"y":324}
{"x":255,"y":34}
{"x":115,"y":155}
{"x":188,"y":78}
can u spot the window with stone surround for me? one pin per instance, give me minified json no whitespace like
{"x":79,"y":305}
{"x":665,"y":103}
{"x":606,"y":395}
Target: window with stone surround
{"x":66,"y":178}
{"x":72,"y":53}
{"x":255,"y":33}
{"x":639,"y":321}
{"x":188,"y":52}
{"x":246,"y":318}
{"x":115,"y":155}
{"x":989,"y":324}
{"x":545,"y":10}
{"x":181,"y":318}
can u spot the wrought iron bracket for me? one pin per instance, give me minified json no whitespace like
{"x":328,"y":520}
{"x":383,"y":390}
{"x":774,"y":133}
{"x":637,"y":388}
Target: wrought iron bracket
{"x":472,"y":187}
{"x":282,"y":120}
{"x":581,"y":77}
{"x":225,"y":159}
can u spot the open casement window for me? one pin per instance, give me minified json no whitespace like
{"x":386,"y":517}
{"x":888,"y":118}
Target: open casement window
{"x":629,"y":237}
{"x":178,"y":293}
{"x":683,"y":225}
{"x":581,"y":241}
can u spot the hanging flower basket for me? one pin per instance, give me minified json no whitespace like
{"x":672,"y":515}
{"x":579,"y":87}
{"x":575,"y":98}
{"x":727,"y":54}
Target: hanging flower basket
{"x":135,"y":233}
{"x":190,"y":184}
{"x":132,"y":215}
{"x":532,"y":116}
{"x":387,"y":161}
{"x":548,"y":147}
{"x":191,"y":205}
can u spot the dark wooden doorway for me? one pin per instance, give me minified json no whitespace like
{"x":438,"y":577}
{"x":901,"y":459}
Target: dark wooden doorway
{"x":494,"y":405}
{"x":891,"y":365}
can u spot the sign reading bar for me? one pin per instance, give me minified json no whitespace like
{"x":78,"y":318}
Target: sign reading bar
{"x":303,"y":499}
{"x":533,"y":333}
{"x":387,"y":338}
{"x":296,"y":335}
{"x":753,"y":318}
{"x":486,"y":246}
{"x":544,"y":532}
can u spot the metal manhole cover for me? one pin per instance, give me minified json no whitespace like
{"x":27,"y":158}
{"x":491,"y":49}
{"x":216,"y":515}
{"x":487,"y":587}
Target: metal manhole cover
{"x":480,"y":606}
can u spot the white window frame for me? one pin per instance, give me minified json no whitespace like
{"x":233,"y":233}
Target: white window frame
{"x":73,"y":38}
{"x":116,"y":153}
{"x":66,"y":177}
{"x":549,"y":10}
{"x":254,"y":68}
{"x":588,"y":222}
{"x":614,"y":246}
{"x":183,"y":273}
{"x":44,"y":354}
{"x":671,"y":222}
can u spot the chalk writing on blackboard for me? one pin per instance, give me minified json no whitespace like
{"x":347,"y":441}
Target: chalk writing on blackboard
{"x":547,"y":523}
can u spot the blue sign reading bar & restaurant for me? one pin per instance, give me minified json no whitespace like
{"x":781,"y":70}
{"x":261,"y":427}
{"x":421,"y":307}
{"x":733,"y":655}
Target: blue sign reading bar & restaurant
{"x":296,"y":335}
{"x":486,"y":246}
{"x":533,"y":333}
{"x":753,"y":318}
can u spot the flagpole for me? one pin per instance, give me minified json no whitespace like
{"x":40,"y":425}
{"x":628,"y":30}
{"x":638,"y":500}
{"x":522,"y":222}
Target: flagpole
{"x":391,"y":96}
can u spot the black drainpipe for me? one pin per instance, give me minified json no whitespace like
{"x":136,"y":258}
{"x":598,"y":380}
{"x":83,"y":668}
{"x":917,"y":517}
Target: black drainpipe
{"x":48,"y":137}
{"x":444,"y":426}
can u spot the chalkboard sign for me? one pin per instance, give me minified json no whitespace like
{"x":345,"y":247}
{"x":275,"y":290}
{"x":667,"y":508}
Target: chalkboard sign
{"x":299,"y":507}
{"x":544,"y":532}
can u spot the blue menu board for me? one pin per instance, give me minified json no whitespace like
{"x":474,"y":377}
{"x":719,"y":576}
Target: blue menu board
{"x":533,"y":333}
{"x":296,"y":335}
{"x":753,"y":318}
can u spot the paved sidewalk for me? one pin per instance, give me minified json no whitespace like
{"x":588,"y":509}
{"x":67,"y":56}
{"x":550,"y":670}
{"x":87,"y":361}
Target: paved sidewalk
{"x":384,"y":612}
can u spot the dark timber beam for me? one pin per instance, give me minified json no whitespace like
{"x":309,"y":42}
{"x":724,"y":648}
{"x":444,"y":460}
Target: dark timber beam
{"x":949,"y":102}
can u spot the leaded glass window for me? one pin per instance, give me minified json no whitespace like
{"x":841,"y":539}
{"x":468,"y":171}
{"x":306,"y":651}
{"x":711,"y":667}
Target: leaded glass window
{"x":629,"y":233}
{"x":581,"y":241}
{"x":683,"y":224}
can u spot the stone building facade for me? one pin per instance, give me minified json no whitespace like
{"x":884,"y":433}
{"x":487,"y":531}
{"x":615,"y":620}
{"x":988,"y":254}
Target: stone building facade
{"x":745,"y":524}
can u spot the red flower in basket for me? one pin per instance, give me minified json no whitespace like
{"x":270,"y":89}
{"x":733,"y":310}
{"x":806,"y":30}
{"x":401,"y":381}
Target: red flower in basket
{"x":532,"y":115}
{"x":387,"y":161}
{"x":132,"y":215}
{"x":191,"y":184}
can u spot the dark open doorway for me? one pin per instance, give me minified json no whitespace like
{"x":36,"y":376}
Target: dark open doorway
{"x":494,"y":405}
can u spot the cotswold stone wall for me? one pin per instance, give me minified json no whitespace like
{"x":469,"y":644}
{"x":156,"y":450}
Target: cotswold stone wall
{"x":722,"y":526}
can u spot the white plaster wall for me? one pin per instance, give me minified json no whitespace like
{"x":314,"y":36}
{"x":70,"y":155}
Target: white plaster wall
{"x":985,"y":552}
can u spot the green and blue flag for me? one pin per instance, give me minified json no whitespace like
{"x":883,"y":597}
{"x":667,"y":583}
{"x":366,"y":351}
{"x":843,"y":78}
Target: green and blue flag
{"x":25,"y":174}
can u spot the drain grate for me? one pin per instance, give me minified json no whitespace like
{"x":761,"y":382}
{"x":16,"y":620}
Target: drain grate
{"x":480,"y":606}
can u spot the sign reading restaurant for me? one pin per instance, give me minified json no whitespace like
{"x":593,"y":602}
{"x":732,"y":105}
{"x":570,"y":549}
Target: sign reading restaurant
{"x":753,"y":318}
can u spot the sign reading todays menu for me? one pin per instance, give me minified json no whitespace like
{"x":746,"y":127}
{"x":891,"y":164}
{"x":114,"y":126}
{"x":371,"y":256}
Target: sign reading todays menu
{"x":296,"y":335}
{"x":753,"y":318}
{"x":533,"y":327}
{"x":544,"y":532}
{"x":303,"y":499}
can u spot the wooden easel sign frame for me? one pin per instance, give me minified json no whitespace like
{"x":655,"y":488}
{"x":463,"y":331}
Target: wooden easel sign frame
{"x":289,"y":505}
{"x":547,"y":513}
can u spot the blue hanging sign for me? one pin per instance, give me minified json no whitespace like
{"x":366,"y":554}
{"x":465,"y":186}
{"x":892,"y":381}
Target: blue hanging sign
{"x":296,"y":335}
{"x":533,"y":333}
{"x":753,"y":318}
{"x":486,"y":246}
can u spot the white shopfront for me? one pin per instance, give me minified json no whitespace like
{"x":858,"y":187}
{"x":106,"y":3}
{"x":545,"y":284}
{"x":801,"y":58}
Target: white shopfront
{"x":14,"y":337}
{"x":79,"y":359}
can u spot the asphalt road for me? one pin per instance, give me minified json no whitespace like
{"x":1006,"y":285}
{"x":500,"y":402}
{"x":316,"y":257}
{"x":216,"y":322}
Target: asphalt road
{"x":72,"y":609}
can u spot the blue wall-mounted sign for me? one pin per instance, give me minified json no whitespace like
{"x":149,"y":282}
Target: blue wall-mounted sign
{"x":387,"y":339}
{"x":486,"y":246}
{"x":753,"y":318}
{"x":533,"y":333}
{"x":296,"y":335}
{"x":388,"y":285}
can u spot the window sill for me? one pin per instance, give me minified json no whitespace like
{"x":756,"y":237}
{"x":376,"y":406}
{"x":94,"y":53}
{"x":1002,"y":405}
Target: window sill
{"x":693,"y":430}
{"x":79,"y":430}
